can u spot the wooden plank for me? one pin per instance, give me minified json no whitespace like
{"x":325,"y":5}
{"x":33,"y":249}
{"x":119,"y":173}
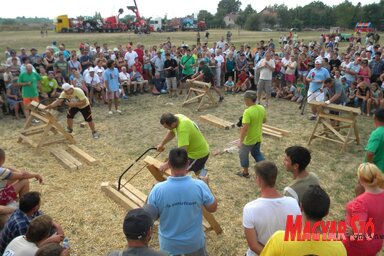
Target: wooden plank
{"x":212,"y":221}
{"x":28,"y":140}
{"x":84,"y":156}
{"x":197,"y":90}
{"x":283,"y":132}
{"x":150,"y":161}
{"x":132,"y":193}
{"x":327,"y":138}
{"x":335,"y":107}
{"x":330,"y":127}
{"x":273,"y":134}
{"x":198,"y":83}
{"x":336,"y":118}
{"x":264,"y":129}
{"x":72,"y":159}
{"x":38,"y":116}
{"x":38,"y":105}
{"x":58,"y":154}
{"x":118,"y":197}
{"x":131,"y":197}
{"x":218,"y":122}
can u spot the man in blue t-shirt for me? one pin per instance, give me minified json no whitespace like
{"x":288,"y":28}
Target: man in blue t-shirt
{"x":316,"y":78}
{"x":179,"y":201}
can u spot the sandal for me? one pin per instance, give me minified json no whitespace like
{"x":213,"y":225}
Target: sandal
{"x":244,"y":175}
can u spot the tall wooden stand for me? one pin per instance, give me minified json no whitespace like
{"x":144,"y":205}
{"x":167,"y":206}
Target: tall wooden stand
{"x":198,"y":91}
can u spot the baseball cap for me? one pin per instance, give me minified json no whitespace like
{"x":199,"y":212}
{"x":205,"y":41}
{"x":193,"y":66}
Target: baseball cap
{"x":115,"y":49}
{"x":318,"y":62}
{"x":91,"y":69}
{"x":249,"y":94}
{"x":66,"y":86}
{"x":99,"y":70}
{"x":137,"y":223}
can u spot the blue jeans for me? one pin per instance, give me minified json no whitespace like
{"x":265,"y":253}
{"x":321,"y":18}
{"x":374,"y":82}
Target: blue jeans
{"x":255,"y":152}
{"x":360,"y":103}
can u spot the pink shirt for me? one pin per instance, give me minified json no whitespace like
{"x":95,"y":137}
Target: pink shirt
{"x":366,"y":206}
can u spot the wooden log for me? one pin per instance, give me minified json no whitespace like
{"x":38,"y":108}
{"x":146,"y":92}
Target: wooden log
{"x":84,"y":156}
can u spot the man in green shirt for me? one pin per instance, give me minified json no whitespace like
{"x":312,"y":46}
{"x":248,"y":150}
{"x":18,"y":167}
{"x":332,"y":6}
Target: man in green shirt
{"x":251,"y":132}
{"x":187,"y":63}
{"x":49,"y":86}
{"x":29,"y":82}
{"x":204,"y":73}
{"x":189,"y":137}
{"x":375,"y":146}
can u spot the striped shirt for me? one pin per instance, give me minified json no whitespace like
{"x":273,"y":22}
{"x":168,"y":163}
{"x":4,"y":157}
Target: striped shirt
{"x":4,"y":176}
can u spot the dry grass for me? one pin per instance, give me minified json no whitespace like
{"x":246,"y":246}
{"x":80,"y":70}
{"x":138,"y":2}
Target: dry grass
{"x":93,"y":222}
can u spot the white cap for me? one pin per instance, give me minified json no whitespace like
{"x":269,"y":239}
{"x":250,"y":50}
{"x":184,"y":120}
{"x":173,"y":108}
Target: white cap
{"x":66,"y":86}
{"x":91,"y":69}
{"x":99,"y":70}
{"x":318,"y":61}
{"x":115,"y":49}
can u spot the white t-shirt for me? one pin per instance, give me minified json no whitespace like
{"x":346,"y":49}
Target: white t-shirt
{"x":95,"y":80}
{"x":285,"y":61}
{"x":124,"y":77}
{"x":220,"y":44}
{"x":130,"y":58}
{"x":267,"y":215}
{"x":19,"y":246}
{"x":291,"y":68}
{"x":219,"y":60}
{"x":266,"y":72}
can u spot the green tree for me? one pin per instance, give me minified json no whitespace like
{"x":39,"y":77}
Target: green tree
{"x":252,"y":22}
{"x":244,"y":14}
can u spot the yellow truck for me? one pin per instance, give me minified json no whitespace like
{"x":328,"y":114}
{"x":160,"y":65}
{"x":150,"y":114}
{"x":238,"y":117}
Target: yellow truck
{"x":62,"y":24}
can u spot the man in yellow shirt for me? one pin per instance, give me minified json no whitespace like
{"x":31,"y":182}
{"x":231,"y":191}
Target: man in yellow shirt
{"x":315,"y":205}
{"x":189,"y":137}
{"x":251,"y":132}
{"x":76,"y":100}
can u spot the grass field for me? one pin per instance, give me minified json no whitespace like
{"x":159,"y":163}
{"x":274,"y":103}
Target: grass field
{"x":93,"y":222}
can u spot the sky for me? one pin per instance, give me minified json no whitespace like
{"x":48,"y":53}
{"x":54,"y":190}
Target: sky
{"x":147,"y":8}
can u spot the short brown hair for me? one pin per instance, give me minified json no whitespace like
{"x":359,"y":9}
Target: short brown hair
{"x":39,"y":228}
{"x":267,"y":171}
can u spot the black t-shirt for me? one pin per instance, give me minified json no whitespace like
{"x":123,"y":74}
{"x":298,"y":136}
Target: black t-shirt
{"x":363,"y":92}
{"x":170,"y":63}
{"x":334,"y":63}
{"x":37,"y":66}
{"x":208,"y":75}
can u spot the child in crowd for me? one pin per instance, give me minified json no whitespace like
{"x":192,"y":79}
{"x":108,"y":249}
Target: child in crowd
{"x":375,"y":99}
{"x":287,"y":92}
{"x":300,"y":91}
{"x":229,"y":85}
{"x":363,"y":93}
{"x":242,"y":82}
{"x":159,"y":85}
{"x":351,"y":94}
{"x":14,"y":99}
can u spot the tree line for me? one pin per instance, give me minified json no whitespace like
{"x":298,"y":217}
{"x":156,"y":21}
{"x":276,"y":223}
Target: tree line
{"x":313,"y":15}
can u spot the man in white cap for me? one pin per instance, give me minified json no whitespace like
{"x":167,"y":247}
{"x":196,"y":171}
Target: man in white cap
{"x":76,"y":100}
{"x":316,"y":77}
{"x":92,"y":82}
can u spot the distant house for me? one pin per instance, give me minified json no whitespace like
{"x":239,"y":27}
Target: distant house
{"x":230,"y":19}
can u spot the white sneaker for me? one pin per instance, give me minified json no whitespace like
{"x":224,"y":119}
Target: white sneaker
{"x":110,"y":112}
{"x":35,"y":121}
{"x":119,"y":111}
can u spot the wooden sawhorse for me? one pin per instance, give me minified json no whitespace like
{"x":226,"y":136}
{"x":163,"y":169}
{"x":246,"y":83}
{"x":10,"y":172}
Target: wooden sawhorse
{"x":198,"y":91}
{"x":131,"y":198}
{"x":346,"y":121}
{"x":50,"y":124}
